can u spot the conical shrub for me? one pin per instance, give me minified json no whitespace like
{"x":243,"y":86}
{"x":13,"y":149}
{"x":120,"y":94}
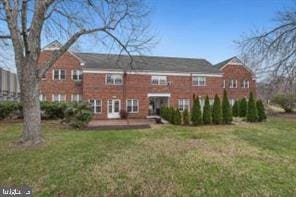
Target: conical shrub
{"x":251,"y":111}
{"x":226,"y":109}
{"x":243,"y":108}
{"x":196,"y":117}
{"x":207,"y":115}
{"x":260,"y":110}
{"x":177,"y":117}
{"x":217,"y":112}
{"x":235,"y":109}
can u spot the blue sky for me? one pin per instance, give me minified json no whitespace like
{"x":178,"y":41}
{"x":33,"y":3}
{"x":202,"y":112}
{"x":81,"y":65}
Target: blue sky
{"x":208,"y":28}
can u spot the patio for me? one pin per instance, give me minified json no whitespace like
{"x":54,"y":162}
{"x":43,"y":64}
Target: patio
{"x":119,"y":124}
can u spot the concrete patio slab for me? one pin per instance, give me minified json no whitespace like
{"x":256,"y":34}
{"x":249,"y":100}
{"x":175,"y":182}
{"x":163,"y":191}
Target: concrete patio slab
{"x":119,"y":124}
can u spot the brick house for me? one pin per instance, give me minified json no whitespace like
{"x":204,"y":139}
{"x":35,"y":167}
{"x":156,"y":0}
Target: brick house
{"x":112,"y":83}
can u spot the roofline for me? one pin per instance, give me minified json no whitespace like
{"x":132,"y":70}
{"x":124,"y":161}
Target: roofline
{"x":150,"y":72}
{"x":147,"y":56}
{"x":239,"y":64}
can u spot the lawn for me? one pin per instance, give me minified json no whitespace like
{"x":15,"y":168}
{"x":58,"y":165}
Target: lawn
{"x":234,"y":160}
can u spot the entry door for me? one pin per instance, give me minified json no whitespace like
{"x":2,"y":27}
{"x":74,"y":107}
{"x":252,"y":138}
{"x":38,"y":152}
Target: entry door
{"x":114,"y":108}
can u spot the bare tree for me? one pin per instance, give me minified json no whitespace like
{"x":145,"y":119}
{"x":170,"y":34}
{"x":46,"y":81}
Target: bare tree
{"x":24,"y":23}
{"x":272,"y":53}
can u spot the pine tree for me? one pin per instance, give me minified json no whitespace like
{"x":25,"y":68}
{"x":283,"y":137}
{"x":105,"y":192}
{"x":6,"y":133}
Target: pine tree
{"x":226,"y":109}
{"x":177,"y":117}
{"x":235,"y":109}
{"x":260,"y":110}
{"x":251,"y":111}
{"x":207,"y":119}
{"x":196,"y":117}
{"x":186,"y":117}
{"x":217,"y":113}
{"x":243,"y":108}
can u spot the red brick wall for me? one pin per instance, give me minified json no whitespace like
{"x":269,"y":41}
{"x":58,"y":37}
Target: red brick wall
{"x":138,"y":86}
{"x":239,"y":73}
{"x":49,"y":86}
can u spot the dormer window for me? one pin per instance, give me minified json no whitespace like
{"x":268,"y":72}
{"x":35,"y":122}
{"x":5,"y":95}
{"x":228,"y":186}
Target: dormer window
{"x":76,"y":75}
{"x":199,"y":81}
{"x":159,"y":80}
{"x":114,"y":79}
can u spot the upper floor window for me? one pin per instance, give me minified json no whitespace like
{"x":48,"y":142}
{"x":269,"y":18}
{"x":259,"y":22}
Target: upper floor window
{"x":159,"y":80}
{"x":76,"y":75}
{"x":114,"y":79}
{"x":245,"y":84}
{"x":58,"y":97}
{"x":183,"y":104}
{"x":96,"y":105}
{"x":43,"y":76}
{"x":233,"y":83}
{"x":76,"y":97}
{"x":59,"y":74}
{"x":132,"y":106}
{"x":198,"y":81}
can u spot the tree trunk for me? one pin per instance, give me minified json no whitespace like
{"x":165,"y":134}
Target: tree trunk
{"x":31,"y":105}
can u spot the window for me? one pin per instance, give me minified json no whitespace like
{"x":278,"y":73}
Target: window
{"x":199,"y":81}
{"x":43,"y":76}
{"x":224,"y":83}
{"x":76,"y":75}
{"x":233,"y":83}
{"x":59,"y":74}
{"x":76,"y":97}
{"x":159,"y":80}
{"x":58,"y":97}
{"x":114,"y":79}
{"x":183,"y":104}
{"x":42,"y":97}
{"x":96,"y":105}
{"x":245,"y":84}
{"x":132,"y":106}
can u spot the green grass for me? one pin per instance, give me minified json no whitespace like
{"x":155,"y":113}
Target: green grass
{"x":249,"y":159}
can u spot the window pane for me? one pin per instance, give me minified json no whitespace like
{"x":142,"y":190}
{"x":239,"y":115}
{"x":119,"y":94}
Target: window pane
{"x":56,"y":74}
{"x":63,"y":76}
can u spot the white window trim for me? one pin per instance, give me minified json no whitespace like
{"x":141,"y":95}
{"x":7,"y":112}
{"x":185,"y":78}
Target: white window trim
{"x":59,"y":74}
{"x":79,"y":97}
{"x":138,"y":105}
{"x":183,"y":99}
{"x":72,"y":74}
{"x":247,"y":85}
{"x":231,"y":83}
{"x":42,"y":97}
{"x":158,"y":78}
{"x":59,"y":97}
{"x":94,"y":107}
{"x":198,"y":81}
{"x":114,"y":81}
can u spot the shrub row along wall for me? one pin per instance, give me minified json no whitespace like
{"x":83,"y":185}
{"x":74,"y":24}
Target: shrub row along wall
{"x":75,"y":114}
{"x":218,"y":113}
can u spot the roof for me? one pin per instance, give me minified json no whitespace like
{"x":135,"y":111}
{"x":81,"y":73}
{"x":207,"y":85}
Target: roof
{"x":233,"y":60}
{"x":146,"y":63}
{"x":221,"y":64}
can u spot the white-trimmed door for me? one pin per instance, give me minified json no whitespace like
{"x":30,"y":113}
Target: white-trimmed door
{"x":113,"y":108}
